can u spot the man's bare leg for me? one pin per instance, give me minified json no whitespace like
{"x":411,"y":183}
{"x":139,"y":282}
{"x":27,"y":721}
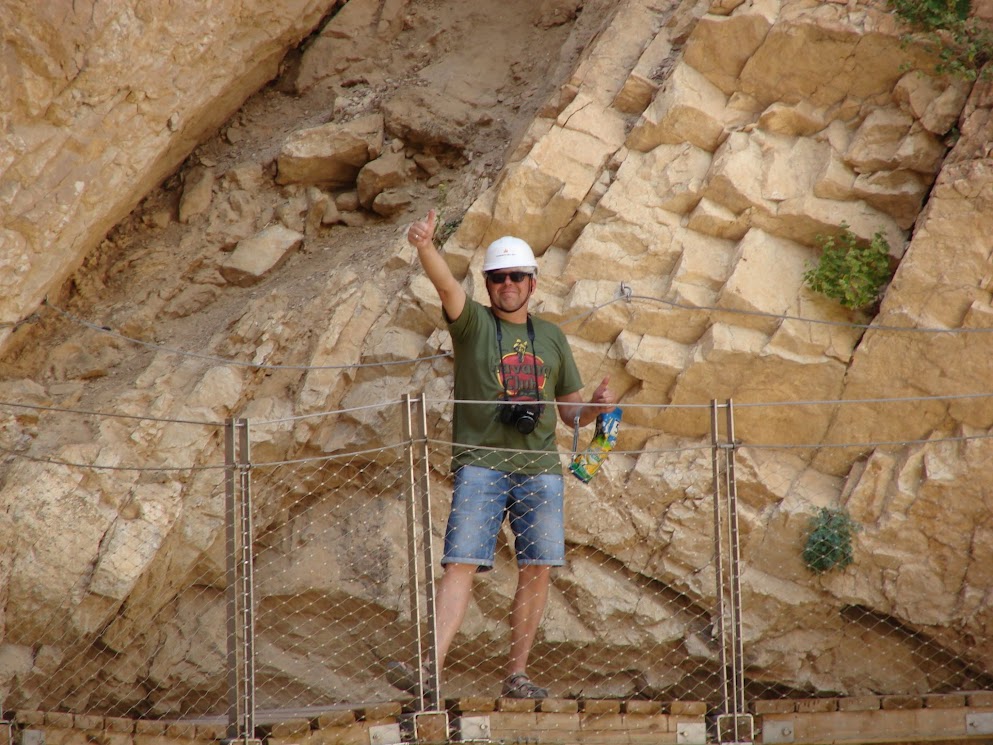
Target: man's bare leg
{"x":451,"y":601}
{"x":529,"y":606}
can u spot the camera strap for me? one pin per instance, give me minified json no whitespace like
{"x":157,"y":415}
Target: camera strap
{"x":534,"y":356}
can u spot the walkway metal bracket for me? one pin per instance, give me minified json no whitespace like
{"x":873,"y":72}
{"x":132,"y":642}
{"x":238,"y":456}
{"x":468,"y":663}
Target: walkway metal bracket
{"x":979,"y":723}
{"x":473,"y":728}
{"x":691,"y":733}
{"x":777,"y":730}
{"x":385,"y":734}
{"x":736,"y":728}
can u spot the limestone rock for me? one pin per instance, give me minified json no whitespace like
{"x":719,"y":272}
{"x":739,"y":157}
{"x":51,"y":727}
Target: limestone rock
{"x":835,"y":181}
{"x":897,"y":193}
{"x":439,"y":123}
{"x":642,"y":84}
{"x":804,"y":218}
{"x":320,"y":211}
{"x":143,"y":115}
{"x":675,"y":266}
{"x":656,"y":360}
{"x":262,"y":253}
{"x":347,"y":201}
{"x":91,"y":359}
{"x":392,"y":202}
{"x":632,"y":36}
{"x":765,"y":278}
{"x":735,"y":178}
{"x":832,"y":59}
{"x":331,"y":153}
{"x":921,"y":151}
{"x":555,"y":12}
{"x":717,"y":220}
{"x":622,"y":250}
{"x":876,"y":141}
{"x":801,"y":120}
{"x":351,"y":36}
{"x":935,"y":102}
{"x":244,"y":176}
{"x":197,"y":194}
{"x":721,"y":44}
{"x":538,"y":196}
{"x":388,"y":171}
{"x":340,"y":343}
{"x":688,"y":108}
{"x":704,"y":260}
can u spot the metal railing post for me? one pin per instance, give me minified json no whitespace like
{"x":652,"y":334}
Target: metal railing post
{"x":720,"y":596}
{"x":240,"y":582}
{"x":734,"y":724}
{"x":431,"y":700}
{"x":413,"y":573}
{"x":230,"y":544}
{"x":734,"y":558}
{"x":420,"y":547}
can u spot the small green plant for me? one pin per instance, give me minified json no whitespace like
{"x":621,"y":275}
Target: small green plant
{"x":445,"y":230}
{"x":963,"y":45}
{"x":829,"y":542}
{"x":932,"y":14}
{"x":850,"y":272}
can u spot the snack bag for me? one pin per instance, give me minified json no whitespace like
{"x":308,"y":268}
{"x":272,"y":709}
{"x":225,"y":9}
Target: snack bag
{"x":585,"y":464}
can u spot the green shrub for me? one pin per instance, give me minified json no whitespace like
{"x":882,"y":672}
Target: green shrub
{"x":932,"y":14}
{"x":849,"y":272}
{"x":963,"y":45}
{"x":829,"y":542}
{"x":445,"y":231}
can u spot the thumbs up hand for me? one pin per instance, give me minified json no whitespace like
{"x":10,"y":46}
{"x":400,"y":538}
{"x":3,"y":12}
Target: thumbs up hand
{"x":421,"y":233}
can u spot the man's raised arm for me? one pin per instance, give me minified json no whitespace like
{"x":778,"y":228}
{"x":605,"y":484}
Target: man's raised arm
{"x":421,"y":237}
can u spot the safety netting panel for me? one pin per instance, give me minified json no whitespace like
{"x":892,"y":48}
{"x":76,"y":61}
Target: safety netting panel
{"x":864,"y":565}
{"x":332,"y":574}
{"x":115,"y":587}
{"x":630,"y":614}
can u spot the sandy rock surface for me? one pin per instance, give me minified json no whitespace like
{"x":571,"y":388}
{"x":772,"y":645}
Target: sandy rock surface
{"x":217,"y":221}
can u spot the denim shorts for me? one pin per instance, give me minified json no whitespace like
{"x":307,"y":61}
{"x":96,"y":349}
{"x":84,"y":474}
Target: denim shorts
{"x":483,"y":497}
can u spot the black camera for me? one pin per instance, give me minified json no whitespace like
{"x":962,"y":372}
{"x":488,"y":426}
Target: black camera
{"x":522,"y":416}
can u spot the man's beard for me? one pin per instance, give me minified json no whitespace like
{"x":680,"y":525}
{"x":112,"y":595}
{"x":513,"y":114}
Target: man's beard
{"x":500,"y":305}
{"x":496,"y":299}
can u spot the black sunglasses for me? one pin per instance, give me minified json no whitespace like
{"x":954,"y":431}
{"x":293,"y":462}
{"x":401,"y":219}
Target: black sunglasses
{"x":498,"y":278}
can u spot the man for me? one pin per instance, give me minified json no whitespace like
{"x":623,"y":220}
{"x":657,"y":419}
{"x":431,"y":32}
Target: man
{"x":504,"y":454}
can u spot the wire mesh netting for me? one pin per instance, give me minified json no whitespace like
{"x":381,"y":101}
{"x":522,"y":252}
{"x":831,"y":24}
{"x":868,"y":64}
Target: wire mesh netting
{"x":331,"y":576}
{"x":868,"y":578}
{"x":612,"y":628}
{"x":711,"y":568}
{"x":335,"y":606}
{"x":114,"y":583}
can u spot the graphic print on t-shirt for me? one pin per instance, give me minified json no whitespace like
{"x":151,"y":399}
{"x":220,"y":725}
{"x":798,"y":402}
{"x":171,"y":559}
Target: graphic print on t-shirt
{"x":517,"y":373}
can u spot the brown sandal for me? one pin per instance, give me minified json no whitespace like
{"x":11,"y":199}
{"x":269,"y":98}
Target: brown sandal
{"x":519,"y":685}
{"x":403,"y":675}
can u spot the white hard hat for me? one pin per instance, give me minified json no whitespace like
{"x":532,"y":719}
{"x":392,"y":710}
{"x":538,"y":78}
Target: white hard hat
{"x":508,"y":252}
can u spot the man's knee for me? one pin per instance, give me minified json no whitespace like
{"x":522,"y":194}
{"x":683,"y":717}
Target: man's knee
{"x":533,"y":576}
{"x":459,"y":569}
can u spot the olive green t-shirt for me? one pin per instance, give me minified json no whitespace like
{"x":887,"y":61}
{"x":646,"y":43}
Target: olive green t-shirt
{"x":546,"y":365}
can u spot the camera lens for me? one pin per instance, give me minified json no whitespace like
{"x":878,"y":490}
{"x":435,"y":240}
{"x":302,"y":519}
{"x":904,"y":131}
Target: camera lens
{"x":526,"y":423}
{"x":523,"y":417}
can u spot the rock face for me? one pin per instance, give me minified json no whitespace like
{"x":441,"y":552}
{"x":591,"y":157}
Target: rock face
{"x":672,"y":164}
{"x":104,"y":102}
